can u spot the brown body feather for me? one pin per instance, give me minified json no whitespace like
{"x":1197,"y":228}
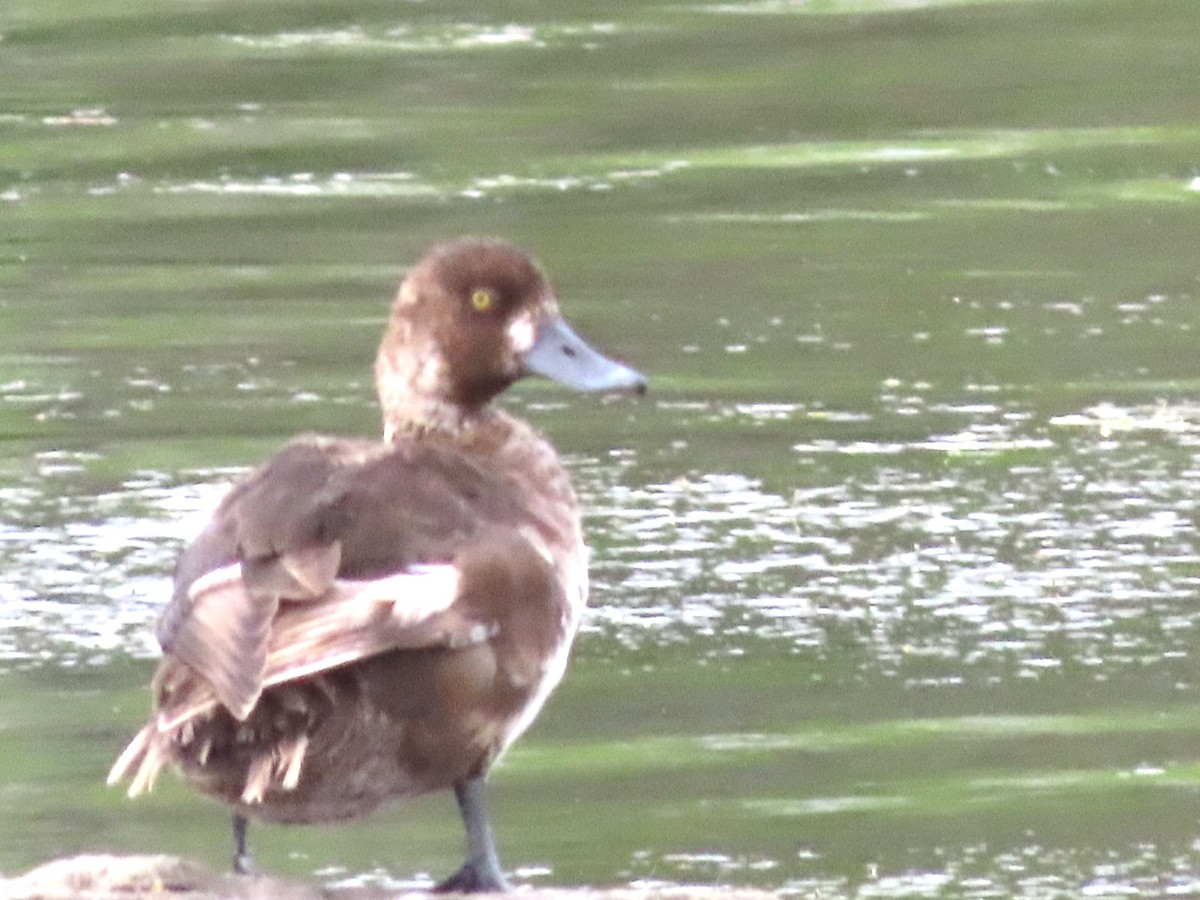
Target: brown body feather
{"x":326,"y":690}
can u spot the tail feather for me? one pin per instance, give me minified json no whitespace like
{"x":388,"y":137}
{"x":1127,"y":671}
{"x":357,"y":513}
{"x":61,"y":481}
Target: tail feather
{"x":143,"y":759}
{"x":287,"y":765}
{"x":258,"y":778}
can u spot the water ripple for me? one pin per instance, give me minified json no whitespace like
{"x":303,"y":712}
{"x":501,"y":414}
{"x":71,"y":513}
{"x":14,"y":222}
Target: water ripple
{"x":1062,"y":548}
{"x":465,"y":36}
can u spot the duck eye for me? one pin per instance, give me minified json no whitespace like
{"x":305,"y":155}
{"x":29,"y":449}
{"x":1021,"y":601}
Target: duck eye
{"x":482,"y":300}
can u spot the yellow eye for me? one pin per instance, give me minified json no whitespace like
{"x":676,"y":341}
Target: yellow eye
{"x":482,"y":300}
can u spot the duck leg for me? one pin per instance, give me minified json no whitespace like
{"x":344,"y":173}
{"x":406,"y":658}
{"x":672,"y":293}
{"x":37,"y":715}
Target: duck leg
{"x":243,"y":863}
{"x":481,"y":871}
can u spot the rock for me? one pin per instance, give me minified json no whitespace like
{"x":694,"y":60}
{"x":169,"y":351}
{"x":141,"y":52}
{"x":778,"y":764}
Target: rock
{"x":99,"y":877}
{"x":103,"y":877}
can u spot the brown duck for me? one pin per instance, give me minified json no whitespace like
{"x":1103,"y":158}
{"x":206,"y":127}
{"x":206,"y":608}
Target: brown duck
{"x":362,"y":621}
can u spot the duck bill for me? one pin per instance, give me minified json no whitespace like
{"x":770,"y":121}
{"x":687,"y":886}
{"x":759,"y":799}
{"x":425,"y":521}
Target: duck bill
{"x":559,"y":353}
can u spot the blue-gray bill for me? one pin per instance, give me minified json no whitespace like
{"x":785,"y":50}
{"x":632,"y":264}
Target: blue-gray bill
{"x":562,"y":355}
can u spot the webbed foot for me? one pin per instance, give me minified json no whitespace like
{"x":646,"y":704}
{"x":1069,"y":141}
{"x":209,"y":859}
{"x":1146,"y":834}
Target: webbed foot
{"x":243,"y":862}
{"x":472,"y":879}
{"x":481,"y":872}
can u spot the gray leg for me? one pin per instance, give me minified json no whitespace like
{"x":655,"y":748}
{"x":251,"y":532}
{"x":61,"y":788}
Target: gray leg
{"x":481,"y":871}
{"x":243,"y":864}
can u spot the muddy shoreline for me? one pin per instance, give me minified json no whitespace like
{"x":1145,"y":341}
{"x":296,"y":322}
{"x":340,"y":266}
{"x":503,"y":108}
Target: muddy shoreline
{"x":104,"y":877}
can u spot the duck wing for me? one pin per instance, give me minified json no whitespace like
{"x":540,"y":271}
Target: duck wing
{"x":332,"y":552}
{"x":352,"y":620}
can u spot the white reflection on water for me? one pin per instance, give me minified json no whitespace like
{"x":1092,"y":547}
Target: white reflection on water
{"x":994,"y":553}
{"x":88,"y":573}
{"x":391,"y":184}
{"x":1000,"y":551}
{"x":1031,"y":871}
{"x":437,"y":38}
{"x":308,"y":184}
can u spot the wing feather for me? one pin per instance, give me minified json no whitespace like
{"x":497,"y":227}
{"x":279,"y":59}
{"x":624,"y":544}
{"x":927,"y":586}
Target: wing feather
{"x":293,"y":575}
{"x":353,"y":621}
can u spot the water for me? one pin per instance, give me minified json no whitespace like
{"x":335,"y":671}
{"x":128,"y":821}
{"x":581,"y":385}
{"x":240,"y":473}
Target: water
{"x":895,"y":567}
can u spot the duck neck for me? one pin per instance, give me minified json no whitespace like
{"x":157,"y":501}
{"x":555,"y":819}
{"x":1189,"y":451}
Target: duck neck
{"x":414,"y":393}
{"x":433,"y":417}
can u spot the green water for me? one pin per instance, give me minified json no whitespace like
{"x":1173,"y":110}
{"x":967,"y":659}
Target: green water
{"x":895,"y":569}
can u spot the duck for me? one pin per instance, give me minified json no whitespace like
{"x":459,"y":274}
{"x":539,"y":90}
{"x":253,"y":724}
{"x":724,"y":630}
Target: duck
{"x":364,"y":621}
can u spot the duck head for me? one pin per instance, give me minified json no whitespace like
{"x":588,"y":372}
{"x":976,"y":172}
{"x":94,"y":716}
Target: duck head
{"x":471,"y":318}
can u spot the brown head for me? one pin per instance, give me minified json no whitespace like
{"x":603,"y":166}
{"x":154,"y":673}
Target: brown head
{"x":471,"y":318}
